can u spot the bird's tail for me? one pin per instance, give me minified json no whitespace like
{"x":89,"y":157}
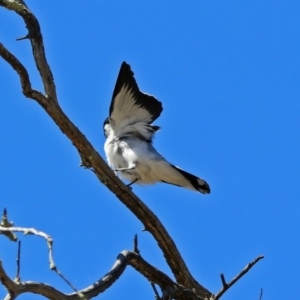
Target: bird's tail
{"x":185,"y":179}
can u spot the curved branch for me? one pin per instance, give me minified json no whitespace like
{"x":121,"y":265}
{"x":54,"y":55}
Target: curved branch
{"x":14,"y":289}
{"x":151,"y":273}
{"x":124,"y":259}
{"x":36,"y":40}
{"x":42,"y":289}
{"x":33,"y":231}
{"x":9,"y":284}
{"x":89,"y":155}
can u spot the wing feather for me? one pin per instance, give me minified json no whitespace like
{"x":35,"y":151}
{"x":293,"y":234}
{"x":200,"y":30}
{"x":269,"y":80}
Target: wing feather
{"x":129,"y":105}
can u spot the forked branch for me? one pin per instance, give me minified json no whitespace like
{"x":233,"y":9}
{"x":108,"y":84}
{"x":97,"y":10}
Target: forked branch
{"x":226,"y":285}
{"x":125,"y":258}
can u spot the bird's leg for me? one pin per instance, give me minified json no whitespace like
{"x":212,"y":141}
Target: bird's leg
{"x":131,"y":183}
{"x":125,"y":169}
{"x":131,"y":167}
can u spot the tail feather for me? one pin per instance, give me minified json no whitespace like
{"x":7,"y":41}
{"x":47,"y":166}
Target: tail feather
{"x":196,"y":182}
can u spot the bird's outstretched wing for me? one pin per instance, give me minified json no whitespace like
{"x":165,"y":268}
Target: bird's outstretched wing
{"x":130,"y":109}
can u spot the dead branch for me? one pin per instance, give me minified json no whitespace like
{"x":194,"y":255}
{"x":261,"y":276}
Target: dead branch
{"x":226,"y":286}
{"x":35,"y":36}
{"x":49,"y":240}
{"x":261,"y":294}
{"x":124,"y":259}
{"x":15,"y":289}
{"x":134,"y":259}
{"x":33,"y":231}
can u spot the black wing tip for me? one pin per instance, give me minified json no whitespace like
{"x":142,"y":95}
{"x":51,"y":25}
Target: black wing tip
{"x":126,"y":68}
{"x":125,"y":65}
{"x":126,"y":77}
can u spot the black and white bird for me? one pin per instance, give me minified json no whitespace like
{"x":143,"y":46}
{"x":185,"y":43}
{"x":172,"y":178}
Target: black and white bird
{"x":129,"y":133}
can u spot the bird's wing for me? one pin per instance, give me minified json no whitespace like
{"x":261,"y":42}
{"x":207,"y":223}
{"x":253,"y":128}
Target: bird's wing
{"x":130,"y":109}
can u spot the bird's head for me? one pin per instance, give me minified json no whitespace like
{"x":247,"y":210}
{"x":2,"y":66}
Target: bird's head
{"x":106,"y":127}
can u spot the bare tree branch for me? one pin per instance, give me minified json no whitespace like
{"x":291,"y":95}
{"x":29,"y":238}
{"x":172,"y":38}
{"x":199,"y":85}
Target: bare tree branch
{"x":151,"y":273}
{"x":261,"y":294}
{"x":49,"y":240}
{"x":168,"y":286}
{"x":9,"y":284}
{"x":33,"y":231}
{"x":15,"y":289}
{"x":35,"y":36}
{"x":87,"y":152}
{"x":124,"y":258}
{"x":226,"y":286}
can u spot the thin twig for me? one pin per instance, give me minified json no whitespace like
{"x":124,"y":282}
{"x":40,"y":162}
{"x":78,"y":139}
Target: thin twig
{"x":226,"y":286}
{"x":135,"y":244}
{"x":25,"y":37}
{"x":18,"y":262}
{"x":157,"y":297}
{"x":68,"y":283}
{"x":223,"y":280}
{"x":261,"y":294}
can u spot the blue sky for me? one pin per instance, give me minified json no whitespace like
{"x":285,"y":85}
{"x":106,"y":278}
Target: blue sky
{"x":227,"y":73}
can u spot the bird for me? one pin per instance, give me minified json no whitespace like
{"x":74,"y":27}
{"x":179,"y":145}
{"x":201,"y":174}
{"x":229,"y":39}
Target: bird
{"x":129,"y":135}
